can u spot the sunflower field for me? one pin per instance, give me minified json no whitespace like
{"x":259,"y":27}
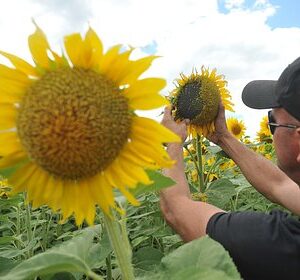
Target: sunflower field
{"x":81,"y":171}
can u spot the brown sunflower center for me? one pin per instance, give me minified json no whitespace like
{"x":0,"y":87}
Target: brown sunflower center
{"x":236,"y":129}
{"x":73,"y":122}
{"x":198,"y":100}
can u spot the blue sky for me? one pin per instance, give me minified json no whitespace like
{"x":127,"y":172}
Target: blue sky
{"x":286,"y":15}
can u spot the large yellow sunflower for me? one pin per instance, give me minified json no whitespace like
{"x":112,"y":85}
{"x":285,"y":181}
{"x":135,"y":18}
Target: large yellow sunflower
{"x":70,"y":126}
{"x":236,"y":127}
{"x":196,"y":97}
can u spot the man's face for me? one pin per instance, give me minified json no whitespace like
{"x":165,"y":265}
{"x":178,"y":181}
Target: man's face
{"x":286,"y":141}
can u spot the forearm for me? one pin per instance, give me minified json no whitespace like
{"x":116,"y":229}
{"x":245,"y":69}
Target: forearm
{"x":169,"y":197}
{"x":187,"y":217}
{"x":176,"y":173}
{"x":259,"y":171}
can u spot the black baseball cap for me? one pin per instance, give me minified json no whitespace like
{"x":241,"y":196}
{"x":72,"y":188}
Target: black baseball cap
{"x":285,"y":92}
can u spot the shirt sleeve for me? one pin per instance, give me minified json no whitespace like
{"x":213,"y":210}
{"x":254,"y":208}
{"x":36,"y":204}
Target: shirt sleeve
{"x":263,"y":246}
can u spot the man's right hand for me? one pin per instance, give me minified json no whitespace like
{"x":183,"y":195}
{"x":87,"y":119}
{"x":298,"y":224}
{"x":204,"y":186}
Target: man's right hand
{"x":220,"y":127}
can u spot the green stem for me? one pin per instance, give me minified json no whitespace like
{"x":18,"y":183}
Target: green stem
{"x":28,"y":225}
{"x":200,"y":166}
{"x":94,"y":276}
{"x":108,"y":268}
{"x":122,"y":253}
{"x":211,"y":169}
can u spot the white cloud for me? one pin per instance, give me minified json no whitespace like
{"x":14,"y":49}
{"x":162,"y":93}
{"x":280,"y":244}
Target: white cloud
{"x":189,"y":33}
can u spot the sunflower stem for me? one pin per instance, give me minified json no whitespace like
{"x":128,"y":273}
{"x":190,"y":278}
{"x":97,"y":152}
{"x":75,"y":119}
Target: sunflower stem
{"x":200,"y":166}
{"x":123,"y":253}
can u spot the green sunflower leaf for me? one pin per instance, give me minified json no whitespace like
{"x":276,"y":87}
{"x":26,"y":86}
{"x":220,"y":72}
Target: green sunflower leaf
{"x":159,"y":182}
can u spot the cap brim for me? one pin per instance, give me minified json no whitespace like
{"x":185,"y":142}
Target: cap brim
{"x":260,"y":94}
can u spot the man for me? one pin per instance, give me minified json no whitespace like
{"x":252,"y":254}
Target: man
{"x":263,"y":246}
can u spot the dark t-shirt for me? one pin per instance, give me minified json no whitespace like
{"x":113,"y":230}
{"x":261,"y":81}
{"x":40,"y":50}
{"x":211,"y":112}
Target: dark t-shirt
{"x":263,"y":246}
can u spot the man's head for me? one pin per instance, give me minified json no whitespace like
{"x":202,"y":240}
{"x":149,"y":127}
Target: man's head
{"x":283,"y":96}
{"x":285,"y":92}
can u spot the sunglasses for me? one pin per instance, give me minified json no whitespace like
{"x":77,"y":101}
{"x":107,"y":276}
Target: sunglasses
{"x":272,"y":123}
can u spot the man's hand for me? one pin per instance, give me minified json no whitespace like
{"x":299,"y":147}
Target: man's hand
{"x":179,"y":128}
{"x":220,"y":126}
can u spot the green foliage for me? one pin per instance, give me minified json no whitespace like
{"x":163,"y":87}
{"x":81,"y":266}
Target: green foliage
{"x":203,"y":258}
{"x":35,"y":245}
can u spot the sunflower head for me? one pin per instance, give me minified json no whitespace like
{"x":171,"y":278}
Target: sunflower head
{"x":197,"y":97}
{"x":69,"y":123}
{"x":264,"y":133}
{"x":236,"y":127}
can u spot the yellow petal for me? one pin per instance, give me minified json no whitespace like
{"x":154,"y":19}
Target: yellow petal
{"x":136,"y":68}
{"x":21,"y":176}
{"x":101,"y":190}
{"x":118,"y":66}
{"x":95,"y":47}
{"x":13,"y":74}
{"x":107,"y":60}
{"x":39,"y":46}
{"x":9,"y":143}
{"x":8,"y":115}
{"x":120,"y":176}
{"x":148,"y":102}
{"x":20,"y":64}
{"x":144,"y":87}
{"x":36,"y":186}
{"x":11,"y":91}
{"x":12,"y":159}
{"x":66,"y":205}
{"x":129,"y":196}
{"x":74,"y":46}
{"x":128,"y":156}
{"x":150,"y":128}
{"x":88,"y":204}
{"x":136,"y":172}
{"x":157,"y":154}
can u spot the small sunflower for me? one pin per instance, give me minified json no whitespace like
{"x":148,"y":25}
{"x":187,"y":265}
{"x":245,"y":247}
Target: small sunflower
{"x":264,"y":134}
{"x":264,"y":127}
{"x":197,"y":97}
{"x":70,"y":124}
{"x":236,"y":127}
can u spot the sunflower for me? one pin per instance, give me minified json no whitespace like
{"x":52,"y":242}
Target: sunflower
{"x":196,"y":97}
{"x":3,"y":187}
{"x":236,"y":127}
{"x":68,"y":123}
{"x":264,"y":134}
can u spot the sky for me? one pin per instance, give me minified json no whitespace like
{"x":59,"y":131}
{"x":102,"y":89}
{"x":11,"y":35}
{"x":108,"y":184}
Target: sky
{"x":243,"y":40}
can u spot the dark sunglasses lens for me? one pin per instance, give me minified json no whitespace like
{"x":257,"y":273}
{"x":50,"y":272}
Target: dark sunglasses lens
{"x":271,"y":120}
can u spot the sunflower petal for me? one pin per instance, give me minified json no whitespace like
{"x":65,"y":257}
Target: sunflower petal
{"x":108,"y":58}
{"x":136,"y":68}
{"x":13,"y":74}
{"x":19,"y":179}
{"x":94,"y":44}
{"x":151,"y":129}
{"x":20,"y":64}
{"x":9,"y":143}
{"x":129,"y":196}
{"x":8,"y":115}
{"x":148,"y":102}
{"x":74,"y":46}
{"x":144,"y":87}
{"x":39,"y":46}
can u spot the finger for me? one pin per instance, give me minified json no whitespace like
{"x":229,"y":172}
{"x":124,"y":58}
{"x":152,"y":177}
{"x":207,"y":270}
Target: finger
{"x":167,"y":113}
{"x":187,"y":121}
